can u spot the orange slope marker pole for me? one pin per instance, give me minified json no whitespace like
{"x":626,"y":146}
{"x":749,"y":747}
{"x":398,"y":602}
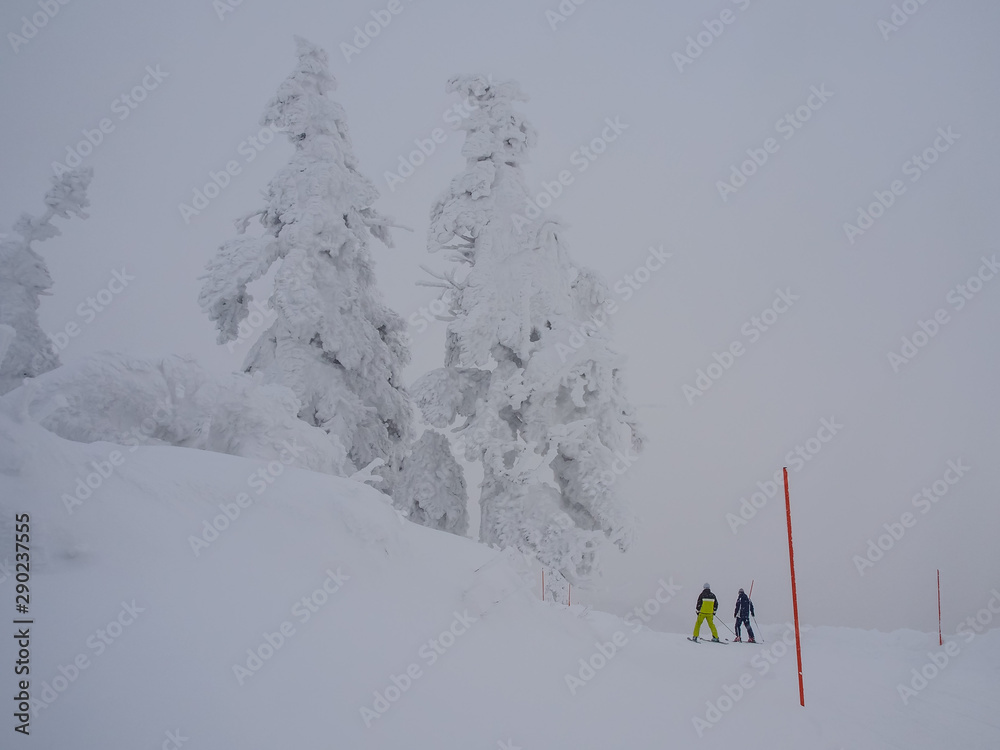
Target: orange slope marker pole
{"x":750,"y":596}
{"x":940,"y":637}
{"x":795,"y":598}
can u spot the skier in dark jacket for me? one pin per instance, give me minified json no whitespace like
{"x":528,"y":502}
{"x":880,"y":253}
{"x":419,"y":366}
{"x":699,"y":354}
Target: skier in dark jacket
{"x":706,"y":609}
{"x":744,"y":608}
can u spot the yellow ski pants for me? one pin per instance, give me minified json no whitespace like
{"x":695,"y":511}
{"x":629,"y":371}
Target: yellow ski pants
{"x":702,"y":616}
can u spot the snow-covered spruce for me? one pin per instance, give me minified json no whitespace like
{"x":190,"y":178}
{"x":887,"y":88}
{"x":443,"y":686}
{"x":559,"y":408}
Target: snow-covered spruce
{"x":431,"y":488}
{"x":544,"y":415}
{"x":24,"y":277}
{"x":173,"y":401}
{"x":334,"y":342}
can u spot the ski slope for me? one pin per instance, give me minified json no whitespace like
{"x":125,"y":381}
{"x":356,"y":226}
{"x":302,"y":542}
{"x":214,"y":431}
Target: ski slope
{"x":318,"y":618}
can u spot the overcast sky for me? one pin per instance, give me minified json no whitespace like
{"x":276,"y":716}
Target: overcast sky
{"x":821,"y":106}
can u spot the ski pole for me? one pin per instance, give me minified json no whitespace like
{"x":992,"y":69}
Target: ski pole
{"x":727,"y":627}
{"x":758,"y":628}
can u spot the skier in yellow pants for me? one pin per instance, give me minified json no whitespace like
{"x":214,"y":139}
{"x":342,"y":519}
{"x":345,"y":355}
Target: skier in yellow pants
{"x":706,"y":608}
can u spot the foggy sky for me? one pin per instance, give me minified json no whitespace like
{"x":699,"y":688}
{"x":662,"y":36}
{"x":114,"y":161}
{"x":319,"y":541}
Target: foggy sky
{"x":834,"y":113}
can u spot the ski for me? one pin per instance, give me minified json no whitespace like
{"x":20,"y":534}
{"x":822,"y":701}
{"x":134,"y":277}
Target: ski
{"x":704,"y":640}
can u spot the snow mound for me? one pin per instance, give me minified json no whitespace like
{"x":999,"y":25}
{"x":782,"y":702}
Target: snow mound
{"x":174,"y":401}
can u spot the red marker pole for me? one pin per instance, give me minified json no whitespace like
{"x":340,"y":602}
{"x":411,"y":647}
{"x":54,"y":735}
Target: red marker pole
{"x":940,"y":637}
{"x":795,"y":599}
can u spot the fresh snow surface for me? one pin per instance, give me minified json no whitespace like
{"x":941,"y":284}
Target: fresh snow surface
{"x":500,"y":682}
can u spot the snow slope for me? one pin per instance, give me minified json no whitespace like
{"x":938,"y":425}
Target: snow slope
{"x":497,"y":679}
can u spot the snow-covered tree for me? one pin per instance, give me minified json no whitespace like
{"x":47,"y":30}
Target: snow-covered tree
{"x":528,"y":361}
{"x":334,"y":342}
{"x":7,"y":336}
{"x":431,"y":488}
{"x":173,"y":401}
{"x":24,"y":277}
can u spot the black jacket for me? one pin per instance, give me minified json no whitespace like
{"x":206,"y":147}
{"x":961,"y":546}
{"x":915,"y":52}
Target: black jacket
{"x":707,"y":594}
{"x":743,"y":606}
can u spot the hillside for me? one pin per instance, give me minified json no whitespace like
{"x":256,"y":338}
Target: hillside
{"x":366,"y":631}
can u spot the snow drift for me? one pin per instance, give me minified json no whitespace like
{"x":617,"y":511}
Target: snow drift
{"x":174,"y":401}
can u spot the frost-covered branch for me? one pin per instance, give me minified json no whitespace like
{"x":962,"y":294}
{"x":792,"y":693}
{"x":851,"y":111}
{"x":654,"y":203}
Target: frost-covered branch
{"x":385,"y":222}
{"x":239,"y":262}
{"x":446,"y":280}
{"x":244,"y":221}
